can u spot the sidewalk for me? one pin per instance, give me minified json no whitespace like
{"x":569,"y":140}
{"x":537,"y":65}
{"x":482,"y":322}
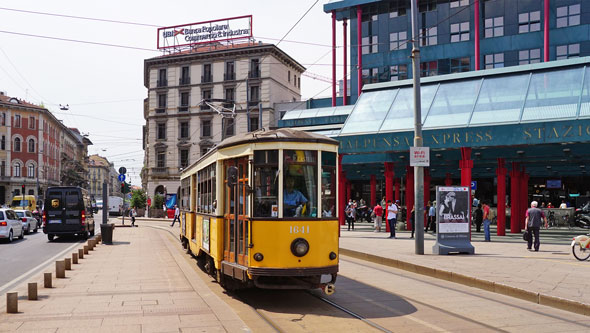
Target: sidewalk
{"x":138,"y":284}
{"x":505,"y":261}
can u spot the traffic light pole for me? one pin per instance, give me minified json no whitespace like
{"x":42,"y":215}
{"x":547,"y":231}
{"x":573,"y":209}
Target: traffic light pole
{"x":123,"y":191}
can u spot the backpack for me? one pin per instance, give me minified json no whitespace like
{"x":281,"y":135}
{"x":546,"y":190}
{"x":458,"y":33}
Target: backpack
{"x":491,"y":214}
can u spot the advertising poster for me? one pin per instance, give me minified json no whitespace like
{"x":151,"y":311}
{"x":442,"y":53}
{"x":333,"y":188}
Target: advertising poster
{"x":453,"y":220}
{"x":206,"y":234}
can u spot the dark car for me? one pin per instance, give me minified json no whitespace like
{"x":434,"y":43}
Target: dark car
{"x":68,"y":211}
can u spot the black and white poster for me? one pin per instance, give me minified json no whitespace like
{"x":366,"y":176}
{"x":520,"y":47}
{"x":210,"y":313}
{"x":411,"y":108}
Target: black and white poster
{"x":453,"y":209}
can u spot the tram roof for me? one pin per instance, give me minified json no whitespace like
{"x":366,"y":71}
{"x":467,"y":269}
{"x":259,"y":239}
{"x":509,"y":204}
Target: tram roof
{"x":280,"y":134}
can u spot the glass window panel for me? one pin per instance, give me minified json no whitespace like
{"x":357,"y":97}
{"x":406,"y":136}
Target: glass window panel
{"x":561,"y":50}
{"x":489,"y":23}
{"x":266,"y":184}
{"x":535,"y":53}
{"x":553,"y":95}
{"x":535,"y":26}
{"x":465,"y":26}
{"x":489,"y":58}
{"x":369,"y":112}
{"x":500,"y":99}
{"x":498,"y":21}
{"x":454,"y":27}
{"x":401,"y":116}
{"x":575,"y":9}
{"x":323,"y":112}
{"x":523,"y":29}
{"x":454,"y":38}
{"x":328,"y":184}
{"x":561,"y":22}
{"x":300,"y":183}
{"x":489,"y":33}
{"x":522,"y":18}
{"x":403,"y":35}
{"x":293,"y":114}
{"x":499,"y":57}
{"x":585,"y":106}
{"x":561,"y":11}
{"x":523,"y":55}
{"x":574,"y":49}
{"x":535,"y":16}
{"x":432,"y":40}
{"x":309,"y":113}
{"x":575,"y":20}
{"x":453,"y":104}
{"x":498,"y":32}
{"x":341,"y":110}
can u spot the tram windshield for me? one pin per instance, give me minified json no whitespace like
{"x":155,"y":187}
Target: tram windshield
{"x":300,"y":183}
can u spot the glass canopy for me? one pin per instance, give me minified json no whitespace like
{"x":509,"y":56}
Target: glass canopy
{"x":319,"y":112}
{"x":532,"y":93}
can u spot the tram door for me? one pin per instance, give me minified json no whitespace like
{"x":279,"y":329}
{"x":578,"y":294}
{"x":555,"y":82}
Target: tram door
{"x":235,"y":212}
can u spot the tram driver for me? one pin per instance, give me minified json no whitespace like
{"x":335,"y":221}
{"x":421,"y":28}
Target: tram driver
{"x":293,"y":199}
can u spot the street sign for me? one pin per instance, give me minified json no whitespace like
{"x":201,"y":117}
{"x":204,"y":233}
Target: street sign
{"x":121,"y":178}
{"x":474,"y":185}
{"x":122,"y":170}
{"x":420,"y":156}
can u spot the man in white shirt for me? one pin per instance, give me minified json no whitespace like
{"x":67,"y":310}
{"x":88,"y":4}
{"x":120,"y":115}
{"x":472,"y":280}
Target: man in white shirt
{"x":176,"y":215}
{"x":392,"y":217}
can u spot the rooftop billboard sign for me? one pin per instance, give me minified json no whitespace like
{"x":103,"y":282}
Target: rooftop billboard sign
{"x":205,"y":32}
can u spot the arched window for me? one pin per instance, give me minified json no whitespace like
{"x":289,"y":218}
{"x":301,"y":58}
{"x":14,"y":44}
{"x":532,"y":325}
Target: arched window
{"x":16,"y":168}
{"x":31,"y":171}
{"x":17,"y":144}
{"x":31,"y":146}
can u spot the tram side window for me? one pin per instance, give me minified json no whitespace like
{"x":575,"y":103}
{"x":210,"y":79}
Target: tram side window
{"x":328,"y":184}
{"x":266,"y":183}
{"x":185,"y":191}
{"x":300,"y":183}
{"x":206,"y":190}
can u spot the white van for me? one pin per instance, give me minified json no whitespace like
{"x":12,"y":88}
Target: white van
{"x":115,"y":205}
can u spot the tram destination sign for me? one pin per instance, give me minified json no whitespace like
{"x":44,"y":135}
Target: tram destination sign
{"x":205,"y":32}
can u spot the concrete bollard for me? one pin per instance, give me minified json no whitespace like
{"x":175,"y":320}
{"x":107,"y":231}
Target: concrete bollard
{"x":60,"y":269}
{"x":80,"y":254}
{"x":68,"y":264}
{"x":47,"y":280}
{"x":12,"y":302}
{"x":98,"y":238}
{"x":32,"y":296}
{"x":92,"y":244}
{"x":85,"y":249}
{"x":74,"y":258}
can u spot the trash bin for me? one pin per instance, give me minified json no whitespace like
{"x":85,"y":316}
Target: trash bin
{"x":107,"y":232}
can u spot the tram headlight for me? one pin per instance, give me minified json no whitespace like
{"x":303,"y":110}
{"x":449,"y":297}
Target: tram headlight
{"x":332,"y":255}
{"x":299,"y":247}
{"x":258,"y":256}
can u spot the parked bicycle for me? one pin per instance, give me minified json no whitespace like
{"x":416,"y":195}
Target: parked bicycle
{"x":581,"y":247}
{"x":552,"y":222}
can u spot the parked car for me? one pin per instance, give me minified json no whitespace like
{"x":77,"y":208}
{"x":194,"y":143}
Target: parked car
{"x":28,"y":220}
{"x":68,"y":211}
{"x":10,"y":225}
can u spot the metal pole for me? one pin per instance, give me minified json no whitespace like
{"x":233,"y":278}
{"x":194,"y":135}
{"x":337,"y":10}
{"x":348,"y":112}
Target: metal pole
{"x":105,"y":202}
{"x":247,"y":104}
{"x":418,"y":171}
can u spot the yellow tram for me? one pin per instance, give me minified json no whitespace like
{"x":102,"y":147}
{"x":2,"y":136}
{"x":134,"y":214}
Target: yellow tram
{"x":260,"y":210}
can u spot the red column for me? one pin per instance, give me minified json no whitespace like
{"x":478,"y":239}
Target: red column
{"x":409,"y":194}
{"x":359,"y":44}
{"x":501,"y":191}
{"x":546,"y":31}
{"x":341,"y":191}
{"x":389,"y":175}
{"x":448,"y":180}
{"x":476,"y":22}
{"x":397,"y":187}
{"x":514,"y":201}
{"x":333,"y":58}
{"x":344,"y":67}
{"x":466,"y":164}
{"x":524,"y":189}
{"x":373,"y":190}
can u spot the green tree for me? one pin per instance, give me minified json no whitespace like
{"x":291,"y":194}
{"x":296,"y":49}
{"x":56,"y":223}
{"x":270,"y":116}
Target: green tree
{"x":72,"y":173}
{"x":138,"y":199}
{"x":158,"y":201}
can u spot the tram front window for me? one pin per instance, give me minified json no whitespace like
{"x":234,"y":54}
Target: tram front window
{"x":266,"y":183}
{"x":300,"y":183}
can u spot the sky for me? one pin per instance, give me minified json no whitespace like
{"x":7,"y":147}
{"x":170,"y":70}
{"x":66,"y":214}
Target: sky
{"x":95,"y":67}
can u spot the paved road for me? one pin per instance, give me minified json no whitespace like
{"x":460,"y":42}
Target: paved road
{"x":22,"y":258}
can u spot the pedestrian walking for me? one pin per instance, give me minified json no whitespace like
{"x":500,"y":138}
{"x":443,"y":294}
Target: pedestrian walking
{"x":486,"y":222}
{"x":392,"y":210}
{"x":176,"y":215}
{"x":430,"y":220}
{"x":165,"y":210}
{"x":378,"y":217}
{"x":413,"y":220}
{"x":132,"y":214}
{"x":478,"y":217}
{"x":350,"y":214}
{"x":534,"y":219}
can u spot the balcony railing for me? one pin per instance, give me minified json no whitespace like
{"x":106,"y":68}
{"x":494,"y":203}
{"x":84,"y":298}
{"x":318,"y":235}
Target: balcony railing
{"x":228,"y":104}
{"x":160,"y":170}
{"x":162,"y":83}
{"x":205,"y":107}
{"x":254,"y":74}
{"x":161,"y":109}
{"x":183,"y":108}
{"x":229,"y":76}
{"x":207,"y":78}
{"x":184,"y":81}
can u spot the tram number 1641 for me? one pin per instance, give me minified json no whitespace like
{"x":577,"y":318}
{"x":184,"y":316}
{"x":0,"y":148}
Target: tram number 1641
{"x":299,"y":229}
